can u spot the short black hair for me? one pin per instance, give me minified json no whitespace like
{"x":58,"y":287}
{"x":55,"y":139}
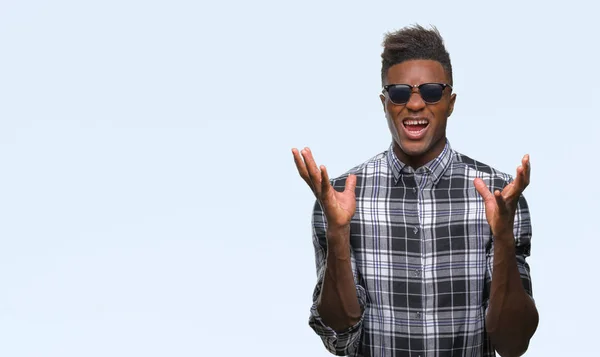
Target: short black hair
{"x":411,"y":43}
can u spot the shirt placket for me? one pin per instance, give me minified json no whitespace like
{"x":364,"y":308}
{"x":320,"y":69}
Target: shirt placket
{"x":421,"y":178}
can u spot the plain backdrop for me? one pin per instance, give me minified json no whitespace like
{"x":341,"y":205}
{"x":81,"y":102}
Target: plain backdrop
{"x":149,"y":203}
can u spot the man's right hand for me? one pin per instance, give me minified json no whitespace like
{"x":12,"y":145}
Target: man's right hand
{"x":338,"y":303}
{"x":338,"y":207}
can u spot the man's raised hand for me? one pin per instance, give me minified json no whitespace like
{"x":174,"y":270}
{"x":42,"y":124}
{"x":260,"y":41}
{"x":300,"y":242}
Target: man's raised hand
{"x":500,"y":207}
{"x":338,"y":207}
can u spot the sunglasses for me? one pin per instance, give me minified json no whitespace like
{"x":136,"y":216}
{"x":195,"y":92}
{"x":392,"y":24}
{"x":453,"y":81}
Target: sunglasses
{"x":430,"y":92}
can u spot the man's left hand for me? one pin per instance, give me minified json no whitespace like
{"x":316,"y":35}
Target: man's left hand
{"x":500,"y":207}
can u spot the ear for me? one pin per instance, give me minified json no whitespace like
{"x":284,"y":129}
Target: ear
{"x":382,"y":97}
{"x":451,"y":105}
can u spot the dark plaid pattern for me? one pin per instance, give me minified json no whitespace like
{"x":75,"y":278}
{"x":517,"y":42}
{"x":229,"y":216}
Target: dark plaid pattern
{"x":422,"y":258}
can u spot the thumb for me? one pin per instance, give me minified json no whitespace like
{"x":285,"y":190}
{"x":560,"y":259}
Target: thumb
{"x":484,"y":192}
{"x":350,"y":183}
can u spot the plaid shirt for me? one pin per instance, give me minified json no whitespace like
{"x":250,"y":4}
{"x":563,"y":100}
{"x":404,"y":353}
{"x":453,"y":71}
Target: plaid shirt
{"x":422,"y":255}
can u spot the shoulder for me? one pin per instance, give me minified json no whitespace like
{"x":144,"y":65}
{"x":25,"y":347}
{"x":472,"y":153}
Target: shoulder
{"x":494,"y":178}
{"x":375,"y":165}
{"x":468,"y":168}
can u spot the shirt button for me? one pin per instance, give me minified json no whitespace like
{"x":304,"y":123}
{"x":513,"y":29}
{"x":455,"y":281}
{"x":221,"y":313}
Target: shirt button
{"x":415,"y":230}
{"x":418,"y":314}
{"x":417,"y":272}
{"x":414,"y":189}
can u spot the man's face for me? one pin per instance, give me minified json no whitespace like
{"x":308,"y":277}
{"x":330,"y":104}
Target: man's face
{"x":418,"y":144}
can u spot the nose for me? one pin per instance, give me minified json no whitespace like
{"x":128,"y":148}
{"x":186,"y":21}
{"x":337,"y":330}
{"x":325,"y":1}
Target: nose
{"x":415,"y":102}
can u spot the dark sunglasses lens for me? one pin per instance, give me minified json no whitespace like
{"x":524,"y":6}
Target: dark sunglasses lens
{"x":431,"y":92}
{"x":399,"y":94}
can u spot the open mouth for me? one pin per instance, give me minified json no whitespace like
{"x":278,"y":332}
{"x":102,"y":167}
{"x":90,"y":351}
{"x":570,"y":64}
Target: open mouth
{"x":415,"y":128}
{"x":415,"y":125}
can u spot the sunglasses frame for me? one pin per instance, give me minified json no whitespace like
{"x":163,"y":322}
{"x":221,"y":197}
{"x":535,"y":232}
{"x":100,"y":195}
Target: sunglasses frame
{"x":412,"y":87}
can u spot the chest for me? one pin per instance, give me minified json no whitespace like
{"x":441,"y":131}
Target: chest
{"x":407,"y":233}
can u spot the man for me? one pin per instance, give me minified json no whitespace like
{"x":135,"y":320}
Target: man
{"x":420,"y":251}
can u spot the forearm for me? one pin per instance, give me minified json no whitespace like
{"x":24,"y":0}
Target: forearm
{"x":512,"y":317}
{"x":338,"y":303}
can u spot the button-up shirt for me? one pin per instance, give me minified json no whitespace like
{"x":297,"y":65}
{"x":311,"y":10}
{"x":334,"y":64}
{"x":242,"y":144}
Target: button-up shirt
{"x":422,"y":258}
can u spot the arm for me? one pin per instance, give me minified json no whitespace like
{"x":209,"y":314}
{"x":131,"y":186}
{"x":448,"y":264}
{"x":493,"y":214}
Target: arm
{"x":338,"y":302}
{"x":512,"y":317}
{"x":338,"y":299}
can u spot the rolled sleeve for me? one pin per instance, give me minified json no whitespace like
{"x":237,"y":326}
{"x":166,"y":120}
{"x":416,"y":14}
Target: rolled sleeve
{"x":522,"y":233}
{"x":339,"y":343}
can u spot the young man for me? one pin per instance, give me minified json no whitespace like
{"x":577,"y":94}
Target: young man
{"x":420,"y":251}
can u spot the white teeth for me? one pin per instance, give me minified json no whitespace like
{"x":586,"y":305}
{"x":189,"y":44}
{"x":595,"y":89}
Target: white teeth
{"x":416,"y":122}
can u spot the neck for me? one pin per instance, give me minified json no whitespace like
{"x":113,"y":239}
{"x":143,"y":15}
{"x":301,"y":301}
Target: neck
{"x":416,"y":161}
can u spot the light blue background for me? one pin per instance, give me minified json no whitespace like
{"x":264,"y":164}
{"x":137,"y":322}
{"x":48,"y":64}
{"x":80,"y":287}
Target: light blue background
{"x":149,"y":204}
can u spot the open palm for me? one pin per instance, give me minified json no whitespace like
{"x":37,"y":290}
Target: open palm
{"x":338,"y":207}
{"x":500,"y":206}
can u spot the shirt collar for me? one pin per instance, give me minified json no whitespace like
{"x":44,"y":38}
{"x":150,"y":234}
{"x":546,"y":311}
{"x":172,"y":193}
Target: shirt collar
{"x":435,"y":167}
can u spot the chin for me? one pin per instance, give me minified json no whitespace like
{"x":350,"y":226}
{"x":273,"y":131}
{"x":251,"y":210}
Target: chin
{"x":415,"y":149}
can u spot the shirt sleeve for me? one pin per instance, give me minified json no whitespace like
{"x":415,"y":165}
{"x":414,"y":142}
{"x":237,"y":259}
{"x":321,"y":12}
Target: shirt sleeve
{"x":522,"y":233}
{"x":338,"y":343}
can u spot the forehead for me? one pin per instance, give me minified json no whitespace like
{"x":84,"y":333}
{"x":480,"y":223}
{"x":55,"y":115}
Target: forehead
{"x":416,"y":72}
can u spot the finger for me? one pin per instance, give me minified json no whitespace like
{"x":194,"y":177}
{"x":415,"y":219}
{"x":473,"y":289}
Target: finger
{"x":483,"y":190}
{"x":500,"y":202}
{"x":525,"y":170}
{"x":520,"y":182}
{"x":313,"y":171}
{"x":350,"y":183}
{"x":526,"y":163}
{"x":301,"y":166}
{"x":325,"y":184}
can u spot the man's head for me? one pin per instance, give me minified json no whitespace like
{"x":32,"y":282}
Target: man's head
{"x":414,"y":56}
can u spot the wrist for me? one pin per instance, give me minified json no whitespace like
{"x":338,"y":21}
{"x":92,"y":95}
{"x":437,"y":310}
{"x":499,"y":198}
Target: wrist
{"x":504,"y":232}
{"x":335,"y":232}
{"x":505,"y":251}
{"x":338,"y":241}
